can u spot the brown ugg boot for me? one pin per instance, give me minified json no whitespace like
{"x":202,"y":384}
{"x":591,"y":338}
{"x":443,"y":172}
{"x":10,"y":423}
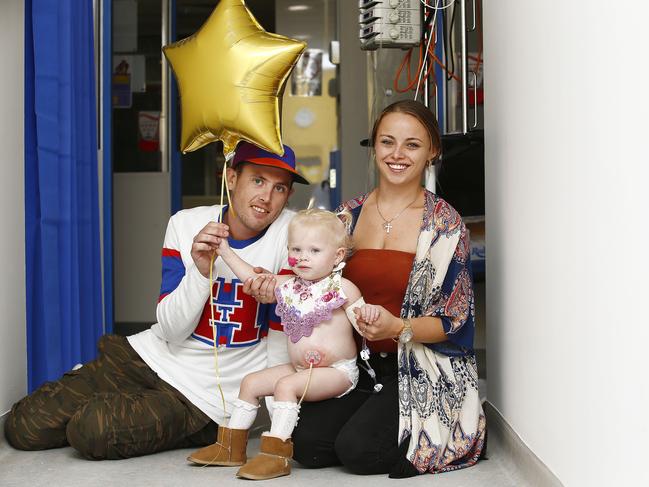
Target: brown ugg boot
{"x":228,"y":451}
{"x":272,"y":460}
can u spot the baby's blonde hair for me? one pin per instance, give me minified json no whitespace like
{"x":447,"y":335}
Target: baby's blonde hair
{"x":338,"y":225}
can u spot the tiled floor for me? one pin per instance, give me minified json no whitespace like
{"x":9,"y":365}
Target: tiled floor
{"x":63,"y":467}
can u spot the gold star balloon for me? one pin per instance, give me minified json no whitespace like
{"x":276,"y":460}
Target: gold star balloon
{"x":230,"y":75}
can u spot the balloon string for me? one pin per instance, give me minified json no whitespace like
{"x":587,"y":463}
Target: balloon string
{"x":219,"y":219}
{"x":228,"y":158}
{"x":215,"y":337}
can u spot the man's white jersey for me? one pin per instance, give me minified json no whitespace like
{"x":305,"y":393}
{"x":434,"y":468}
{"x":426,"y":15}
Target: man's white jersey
{"x":180,"y":346}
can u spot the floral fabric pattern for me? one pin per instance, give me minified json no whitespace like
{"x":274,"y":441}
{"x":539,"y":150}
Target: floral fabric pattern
{"x":302,"y":304}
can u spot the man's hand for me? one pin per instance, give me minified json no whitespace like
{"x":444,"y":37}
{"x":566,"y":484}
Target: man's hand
{"x":261,"y":287}
{"x":206,"y":243}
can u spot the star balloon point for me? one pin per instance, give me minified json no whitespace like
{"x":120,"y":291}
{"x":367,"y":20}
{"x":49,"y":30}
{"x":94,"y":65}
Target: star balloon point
{"x":230,"y":76}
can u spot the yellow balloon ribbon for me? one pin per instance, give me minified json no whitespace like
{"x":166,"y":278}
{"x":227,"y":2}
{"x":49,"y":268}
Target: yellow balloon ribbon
{"x":231,"y":74}
{"x":217,"y":370}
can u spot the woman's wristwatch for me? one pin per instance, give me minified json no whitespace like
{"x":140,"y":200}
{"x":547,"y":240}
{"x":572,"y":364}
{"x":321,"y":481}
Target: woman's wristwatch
{"x":405,"y":334}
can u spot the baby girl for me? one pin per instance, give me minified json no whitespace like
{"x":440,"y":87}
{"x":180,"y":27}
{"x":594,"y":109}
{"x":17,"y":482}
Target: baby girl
{"x":315,"y":306}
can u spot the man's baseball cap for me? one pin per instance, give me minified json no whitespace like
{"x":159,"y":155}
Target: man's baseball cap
{"x":247,"y":152}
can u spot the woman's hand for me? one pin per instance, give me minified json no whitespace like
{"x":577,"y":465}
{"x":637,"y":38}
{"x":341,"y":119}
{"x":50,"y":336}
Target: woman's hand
{"x":384,"y":327}
{"x":369,"y":313}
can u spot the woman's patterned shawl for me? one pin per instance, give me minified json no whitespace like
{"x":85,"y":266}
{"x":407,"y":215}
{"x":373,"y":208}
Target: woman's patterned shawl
{"x":439,"y":408}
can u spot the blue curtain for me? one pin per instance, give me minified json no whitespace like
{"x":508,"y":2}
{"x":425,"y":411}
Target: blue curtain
{"x":64,"y":307}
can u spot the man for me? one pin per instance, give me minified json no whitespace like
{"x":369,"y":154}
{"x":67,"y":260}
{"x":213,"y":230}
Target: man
{"x":161,"y":389}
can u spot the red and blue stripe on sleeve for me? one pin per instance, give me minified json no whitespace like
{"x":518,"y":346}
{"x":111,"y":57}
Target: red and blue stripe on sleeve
{"x":173,"y":271}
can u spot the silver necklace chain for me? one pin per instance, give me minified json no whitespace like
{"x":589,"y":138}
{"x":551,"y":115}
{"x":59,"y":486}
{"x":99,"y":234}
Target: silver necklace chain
{"x":387,"y":224}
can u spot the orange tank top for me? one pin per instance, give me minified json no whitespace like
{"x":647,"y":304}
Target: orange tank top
{"x":382,"y":277}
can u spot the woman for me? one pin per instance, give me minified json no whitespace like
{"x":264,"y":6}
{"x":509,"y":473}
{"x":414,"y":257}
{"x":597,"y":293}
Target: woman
{"x":422,"y":413}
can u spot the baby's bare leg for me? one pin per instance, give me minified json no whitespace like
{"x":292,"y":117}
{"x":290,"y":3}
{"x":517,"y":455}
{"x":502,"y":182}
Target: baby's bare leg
{"x":326,"y":383}
{"x":262,"y":383}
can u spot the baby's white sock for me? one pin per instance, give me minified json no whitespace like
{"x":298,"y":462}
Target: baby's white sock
{"x":284,"y":419}
{"x":243,"y":415}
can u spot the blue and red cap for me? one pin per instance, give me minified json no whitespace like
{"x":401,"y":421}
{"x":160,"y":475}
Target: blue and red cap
{"x":247,"y":152}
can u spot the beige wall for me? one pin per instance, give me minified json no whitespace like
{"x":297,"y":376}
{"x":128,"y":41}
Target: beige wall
{"x":141,"y":210}
{"x":566,"y":206}
{"x":13,"y":356}
{"x":353,"y":103}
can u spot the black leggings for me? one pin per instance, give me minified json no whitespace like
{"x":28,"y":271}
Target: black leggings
{"x":358,"y":430}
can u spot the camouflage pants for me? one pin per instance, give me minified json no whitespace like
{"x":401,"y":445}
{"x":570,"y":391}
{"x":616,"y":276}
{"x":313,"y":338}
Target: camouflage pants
{"x":113,"y":407}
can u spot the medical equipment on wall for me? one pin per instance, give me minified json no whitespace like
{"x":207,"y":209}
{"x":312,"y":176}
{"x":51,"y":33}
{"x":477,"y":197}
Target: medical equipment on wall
{"x":438,"y":66}
{"x":389,"y":23}
{"x":442,"y":68}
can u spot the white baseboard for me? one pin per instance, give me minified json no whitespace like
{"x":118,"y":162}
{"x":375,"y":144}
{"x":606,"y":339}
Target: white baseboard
{"x":504,"y":440}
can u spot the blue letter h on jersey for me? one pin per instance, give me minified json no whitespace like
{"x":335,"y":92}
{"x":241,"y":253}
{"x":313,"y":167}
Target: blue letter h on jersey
{"x":226,"y":303}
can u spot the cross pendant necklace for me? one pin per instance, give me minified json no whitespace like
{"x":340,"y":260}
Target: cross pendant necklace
{"x":387,"y":224}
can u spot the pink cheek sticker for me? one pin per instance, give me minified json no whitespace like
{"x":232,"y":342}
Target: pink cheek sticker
{"x":292,"y":261}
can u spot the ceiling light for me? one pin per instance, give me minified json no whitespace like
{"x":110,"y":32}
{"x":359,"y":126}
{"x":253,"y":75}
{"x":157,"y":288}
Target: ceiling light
{"x":298,"y":8}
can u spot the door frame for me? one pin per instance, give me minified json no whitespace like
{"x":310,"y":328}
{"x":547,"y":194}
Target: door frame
{"x":106,"y":137}
{"x":105,"y":54}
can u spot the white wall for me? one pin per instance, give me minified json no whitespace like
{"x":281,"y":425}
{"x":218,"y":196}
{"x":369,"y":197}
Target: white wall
{"x":13,"y":361}
{"x":567,"y":176}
